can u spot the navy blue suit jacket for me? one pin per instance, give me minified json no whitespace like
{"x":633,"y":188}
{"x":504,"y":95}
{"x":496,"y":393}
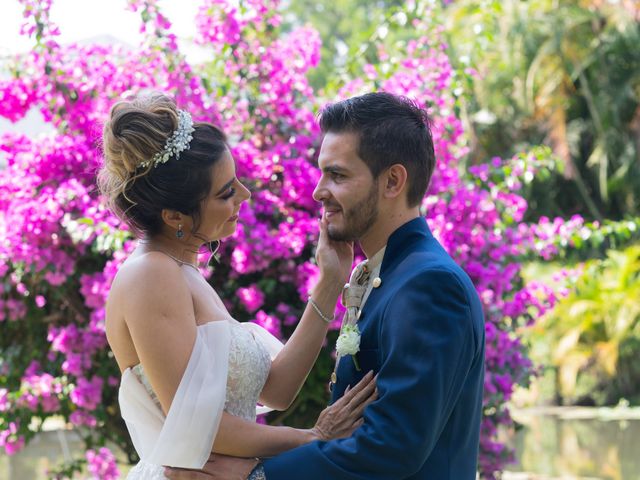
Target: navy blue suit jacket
{"x":423,"y":332}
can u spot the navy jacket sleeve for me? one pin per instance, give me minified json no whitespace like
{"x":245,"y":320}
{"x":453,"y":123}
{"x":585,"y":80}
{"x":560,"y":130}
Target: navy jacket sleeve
{"x":427,"y":347}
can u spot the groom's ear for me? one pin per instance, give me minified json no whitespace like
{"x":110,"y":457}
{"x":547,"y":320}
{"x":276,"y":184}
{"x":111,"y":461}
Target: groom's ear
{"x":395,"y":181}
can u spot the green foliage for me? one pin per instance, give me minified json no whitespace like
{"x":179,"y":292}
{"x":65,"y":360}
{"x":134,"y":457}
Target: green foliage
{"x":593,"y":335}
{"x":562,"y":73}
{"x":349,"y":30}
{"x":67,"y":470}
{"x":594,"y":239}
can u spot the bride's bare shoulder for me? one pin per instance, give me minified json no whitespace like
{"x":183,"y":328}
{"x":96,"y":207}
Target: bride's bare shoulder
{"x":148,"y":282}
{"x":147,"y":269}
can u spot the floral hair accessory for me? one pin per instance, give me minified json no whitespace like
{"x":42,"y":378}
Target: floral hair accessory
{"x":176,"y":143}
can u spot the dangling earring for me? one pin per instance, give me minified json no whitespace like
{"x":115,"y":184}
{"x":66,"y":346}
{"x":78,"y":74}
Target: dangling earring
{"x":179,"y":232}
{"x":213,"y":251}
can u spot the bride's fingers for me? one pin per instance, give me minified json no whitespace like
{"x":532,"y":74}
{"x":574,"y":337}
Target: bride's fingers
{"x":323,"y":229}
{"x":346,"y":399}
{"x":360,"y":399}
{"x":359,"y":410}
{"x":323,"y":223}
{"x":324,"y":235}
{"x":362,"y":390}
{"x":364,"y":381}
{"x":356,"y":425}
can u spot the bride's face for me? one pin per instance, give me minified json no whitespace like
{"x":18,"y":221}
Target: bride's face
{"x":219,"y":213}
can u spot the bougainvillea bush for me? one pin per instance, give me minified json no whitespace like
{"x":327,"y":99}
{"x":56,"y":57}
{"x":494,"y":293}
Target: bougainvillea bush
{"x":60,"y":248}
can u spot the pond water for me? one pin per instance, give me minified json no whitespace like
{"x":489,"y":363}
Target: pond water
{"x":578,"y":443}
{"x":48,"y":450}
{"x":584,"y":444}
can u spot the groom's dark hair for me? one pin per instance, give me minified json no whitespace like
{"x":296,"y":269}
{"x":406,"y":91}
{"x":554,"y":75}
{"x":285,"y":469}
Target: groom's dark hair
{"x":391,"y":129}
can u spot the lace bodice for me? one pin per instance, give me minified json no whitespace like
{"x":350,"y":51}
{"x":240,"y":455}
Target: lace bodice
{"x":249,"y":364}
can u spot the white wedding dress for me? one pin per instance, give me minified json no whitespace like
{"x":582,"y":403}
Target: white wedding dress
{"x":227,"y":370}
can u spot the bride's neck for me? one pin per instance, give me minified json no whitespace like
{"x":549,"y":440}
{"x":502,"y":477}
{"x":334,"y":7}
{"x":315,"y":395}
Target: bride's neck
{"x":180,"y":250}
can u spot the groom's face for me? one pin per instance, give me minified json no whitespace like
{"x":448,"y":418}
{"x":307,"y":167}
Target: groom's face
{"x":347,"y":189}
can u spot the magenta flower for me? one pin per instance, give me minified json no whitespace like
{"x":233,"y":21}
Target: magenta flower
{"x":102,"y":464}
{"x":251,"y":297}
{"x":87,"y":393}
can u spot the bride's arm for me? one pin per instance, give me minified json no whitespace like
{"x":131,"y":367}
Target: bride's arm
{"x":238,"y":437}
{"x":244,"y":438}
{"x":293,"y":363}
{"x":158,"y":312}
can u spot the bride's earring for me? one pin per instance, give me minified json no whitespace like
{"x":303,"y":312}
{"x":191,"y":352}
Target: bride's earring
{"x":179,"y":232}
{"x":213,"y":251}
{"x":217,"y":247}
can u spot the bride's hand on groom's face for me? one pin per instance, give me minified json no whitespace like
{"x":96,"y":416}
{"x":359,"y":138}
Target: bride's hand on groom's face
{"x":334,"y":258}
{"x":342,"y":418}
{"x":218,"y":467}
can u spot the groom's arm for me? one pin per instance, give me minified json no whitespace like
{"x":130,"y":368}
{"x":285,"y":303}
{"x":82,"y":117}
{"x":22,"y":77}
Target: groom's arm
{"x":218,"y":467}
{"x":428,"y":345}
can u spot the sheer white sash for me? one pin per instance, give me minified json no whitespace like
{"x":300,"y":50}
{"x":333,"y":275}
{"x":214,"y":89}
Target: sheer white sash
{"x":184,"y":438}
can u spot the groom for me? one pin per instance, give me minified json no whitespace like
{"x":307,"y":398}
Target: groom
{"x":419,"y":315}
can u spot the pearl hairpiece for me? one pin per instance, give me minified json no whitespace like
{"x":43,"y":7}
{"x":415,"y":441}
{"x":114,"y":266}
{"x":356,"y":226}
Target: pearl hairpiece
{"x":176,"y":143}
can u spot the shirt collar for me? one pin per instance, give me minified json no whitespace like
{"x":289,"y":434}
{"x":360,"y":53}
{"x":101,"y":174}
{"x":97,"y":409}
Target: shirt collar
{"x":375,"y":261}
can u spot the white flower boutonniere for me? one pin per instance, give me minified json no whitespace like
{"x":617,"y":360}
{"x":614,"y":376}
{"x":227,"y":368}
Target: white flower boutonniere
{"x":348,"y":343}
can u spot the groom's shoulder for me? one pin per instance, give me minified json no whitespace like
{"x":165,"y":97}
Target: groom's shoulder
{"x":427,"y":257}
{"x":434,"y":268}
{"x":441,"y":275}
{"x":437,"y":286}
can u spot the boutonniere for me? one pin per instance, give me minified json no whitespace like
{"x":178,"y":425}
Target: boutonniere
{"x":348,"y":343}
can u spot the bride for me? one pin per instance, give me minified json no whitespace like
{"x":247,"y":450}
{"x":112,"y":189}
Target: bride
{"x":191,"y":374}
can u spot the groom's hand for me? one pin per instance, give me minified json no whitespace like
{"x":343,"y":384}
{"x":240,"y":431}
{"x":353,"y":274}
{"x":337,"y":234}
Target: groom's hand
{"x":218,"y":467}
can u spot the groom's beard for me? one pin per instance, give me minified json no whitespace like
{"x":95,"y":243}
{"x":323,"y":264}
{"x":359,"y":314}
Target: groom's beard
{"x":358,"y":219}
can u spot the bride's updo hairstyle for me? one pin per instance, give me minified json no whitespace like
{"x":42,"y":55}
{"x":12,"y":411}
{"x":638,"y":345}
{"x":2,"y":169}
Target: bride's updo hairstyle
{"x":136,"y":187}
